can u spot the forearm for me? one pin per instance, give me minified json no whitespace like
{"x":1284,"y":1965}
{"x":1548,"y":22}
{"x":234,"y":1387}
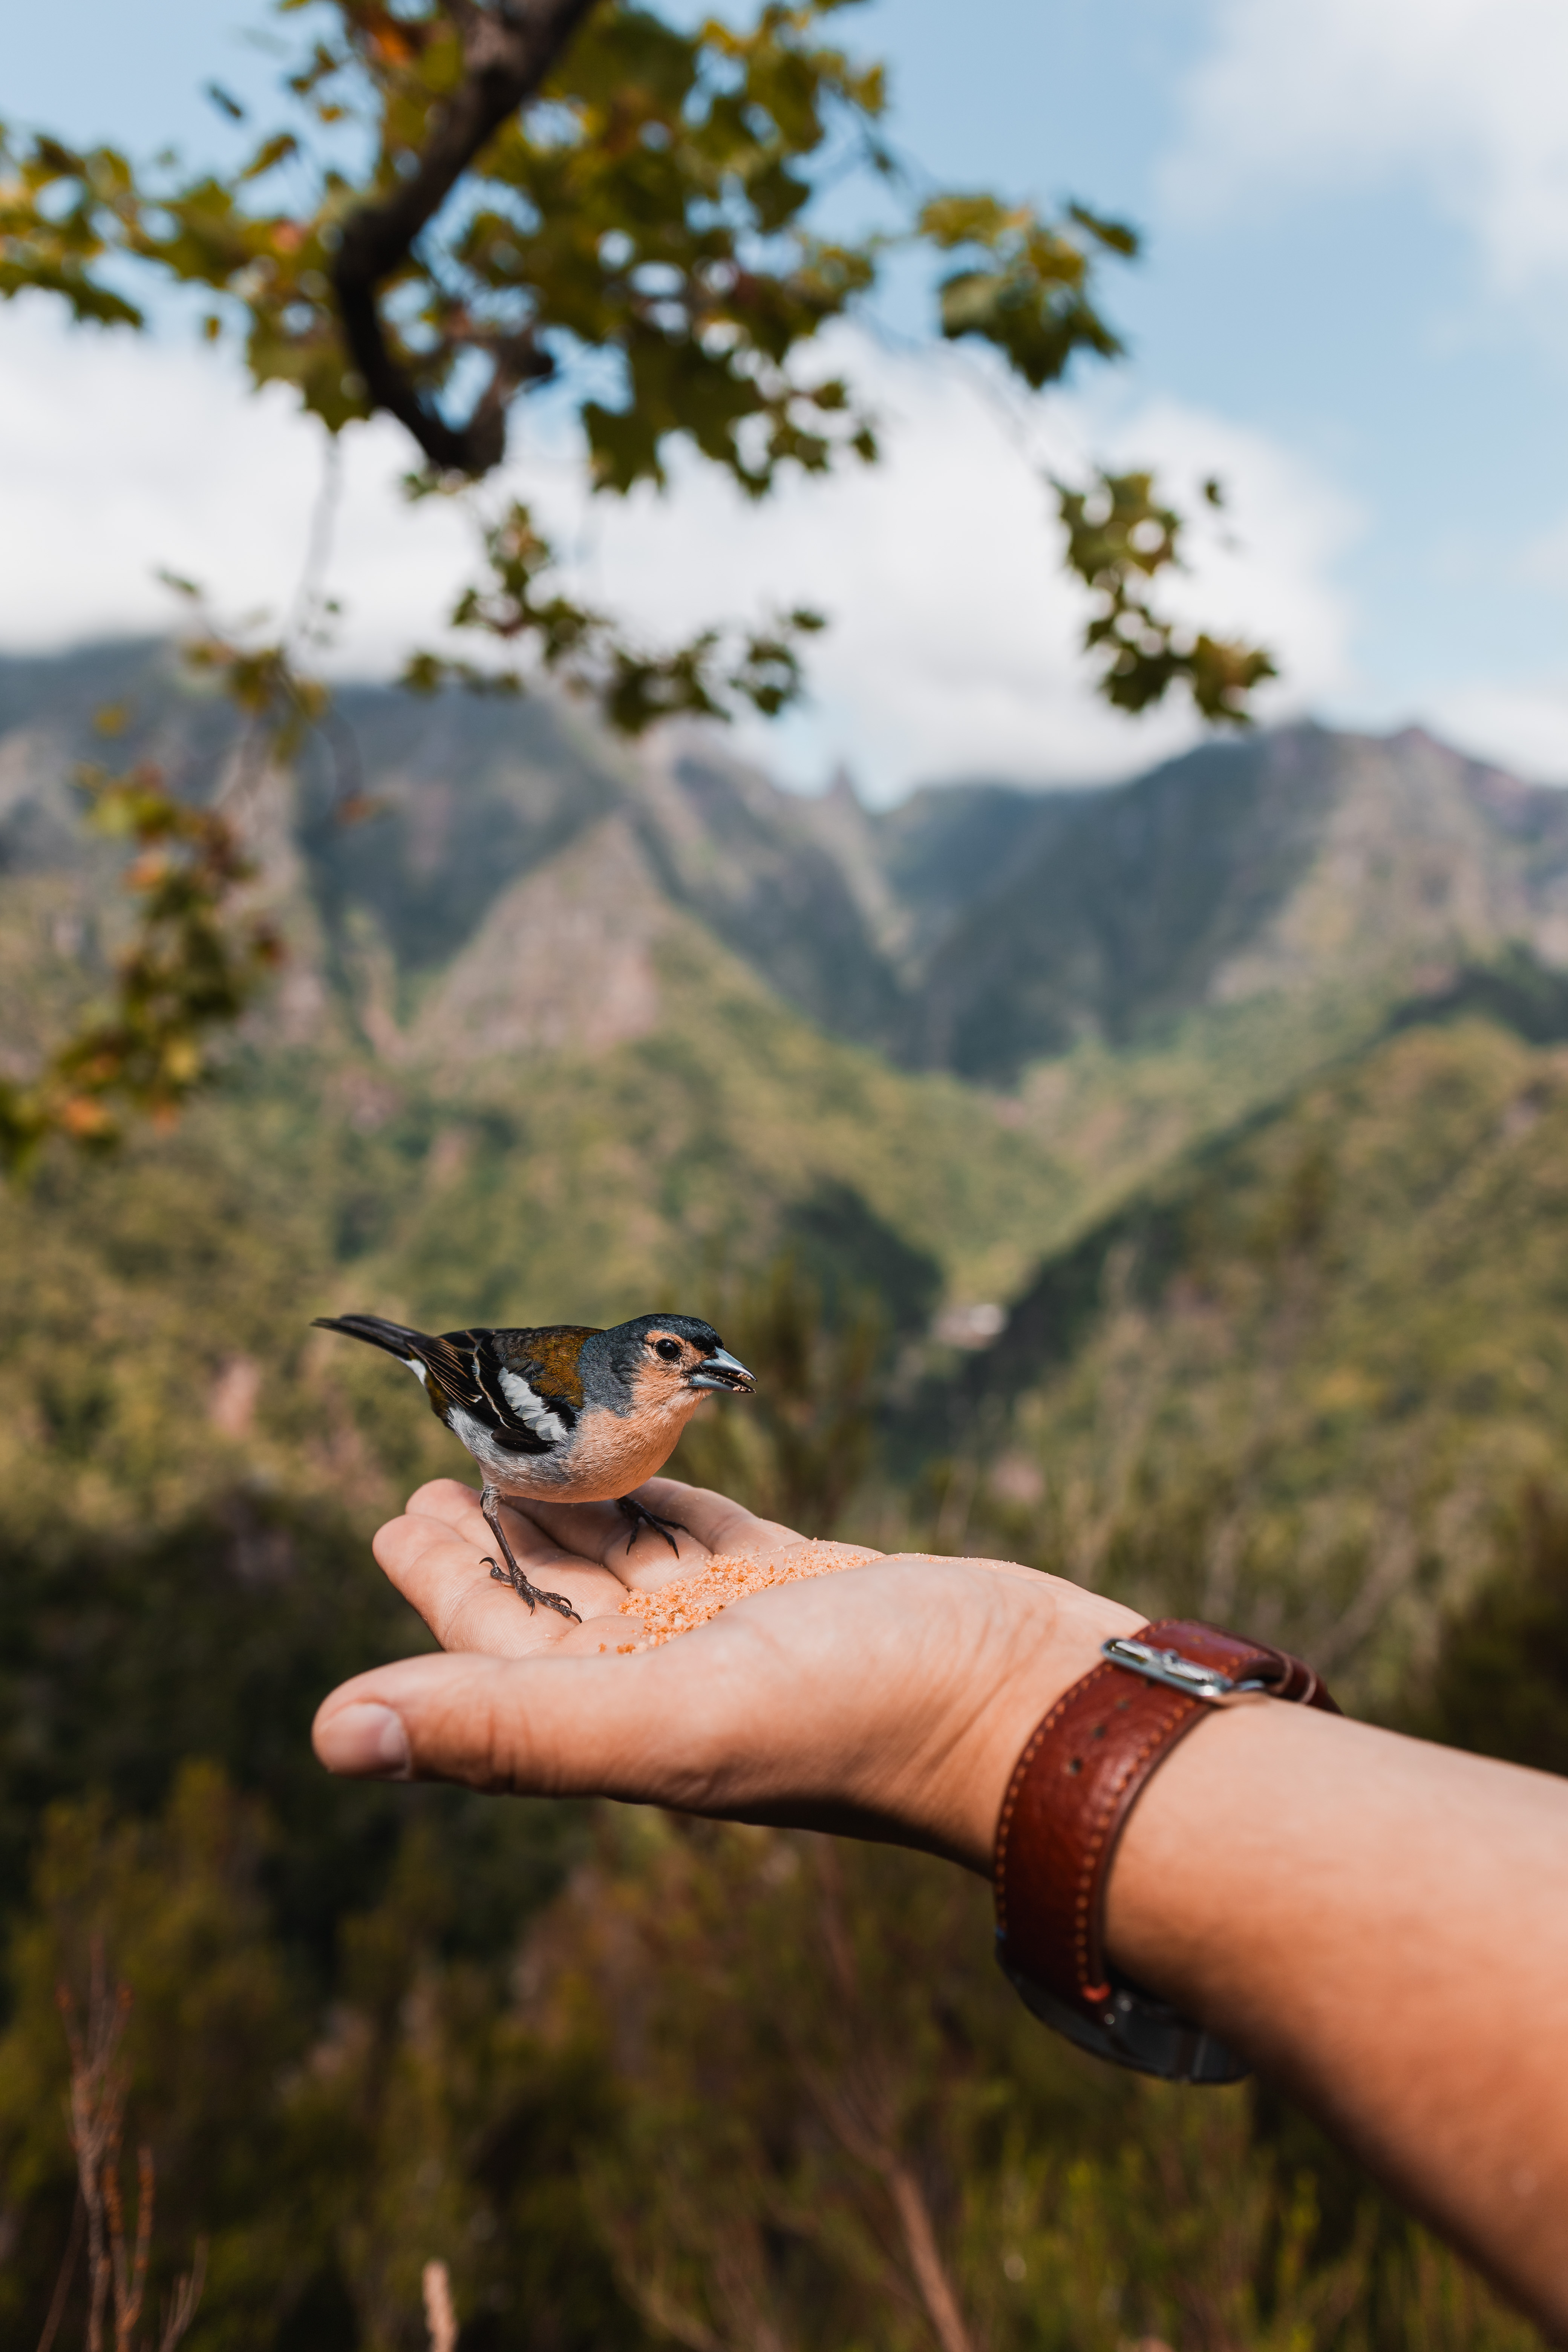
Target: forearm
{"x":1381,"y":1927}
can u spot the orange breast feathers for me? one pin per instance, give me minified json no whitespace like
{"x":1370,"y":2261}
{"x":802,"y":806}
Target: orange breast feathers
{"x":611,"y":1452}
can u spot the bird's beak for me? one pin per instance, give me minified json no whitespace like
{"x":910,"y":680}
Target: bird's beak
{"x":723,"y":1371}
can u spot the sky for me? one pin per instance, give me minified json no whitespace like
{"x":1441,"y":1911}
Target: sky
{"x":1350,"y":305}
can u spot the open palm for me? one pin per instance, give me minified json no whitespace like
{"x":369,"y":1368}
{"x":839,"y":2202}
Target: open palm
{"x":889,"y":1700}
{"x":436,"y":1555}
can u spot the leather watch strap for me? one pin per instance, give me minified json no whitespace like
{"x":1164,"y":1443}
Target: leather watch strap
{"x":1079,"y":1775}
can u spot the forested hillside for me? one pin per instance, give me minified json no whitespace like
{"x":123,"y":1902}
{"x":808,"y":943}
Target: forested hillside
{"x":1308,"y":1377}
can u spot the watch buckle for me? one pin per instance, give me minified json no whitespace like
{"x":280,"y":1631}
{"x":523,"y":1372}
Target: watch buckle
{"x":1177,"y":1672}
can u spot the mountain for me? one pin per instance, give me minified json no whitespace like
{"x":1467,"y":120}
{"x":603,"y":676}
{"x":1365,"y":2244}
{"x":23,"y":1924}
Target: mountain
{"x":976,"y":927}
{"x":1132,"y":968}
{"x":1286,"y":865}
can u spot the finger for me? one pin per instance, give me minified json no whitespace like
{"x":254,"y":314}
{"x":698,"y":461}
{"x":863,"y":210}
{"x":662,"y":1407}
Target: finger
{"x":700,"y":1523}
{"x":440,"y":1569}
{"x":643,"y":1558}
{"x":459,"y":1507}
{"x":714,"y":1520}
{"x":668,"y":1724}
{"x":493,"y":1723}
{"x":443,"y":1498}
{"x":551,"y":1537}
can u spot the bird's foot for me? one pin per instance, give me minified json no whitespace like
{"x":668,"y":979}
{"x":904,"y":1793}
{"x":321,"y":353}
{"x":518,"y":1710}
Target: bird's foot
{"x":512,"y":1574}
{"x":533,"y":1593}
{"x":640,"y":1517}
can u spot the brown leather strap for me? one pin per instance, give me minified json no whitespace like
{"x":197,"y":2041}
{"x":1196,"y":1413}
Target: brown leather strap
{"x":1081,"y":1772}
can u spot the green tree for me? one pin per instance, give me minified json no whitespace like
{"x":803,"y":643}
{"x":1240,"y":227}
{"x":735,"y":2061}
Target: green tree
{"x":463,"y":201}
{"x":1499,"y":1682}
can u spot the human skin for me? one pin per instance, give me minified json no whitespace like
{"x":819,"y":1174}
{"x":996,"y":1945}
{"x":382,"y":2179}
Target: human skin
{"x":1379,"y":1924}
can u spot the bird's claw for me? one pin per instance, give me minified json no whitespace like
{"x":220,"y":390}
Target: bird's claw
{"x":533,"y":1593}
{"x":641,"y":1516}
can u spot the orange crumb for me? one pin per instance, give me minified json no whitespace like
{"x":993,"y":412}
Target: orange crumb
{"x":691,"y":1600}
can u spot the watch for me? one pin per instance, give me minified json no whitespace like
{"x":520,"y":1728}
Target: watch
{"x":1082,"y":1771}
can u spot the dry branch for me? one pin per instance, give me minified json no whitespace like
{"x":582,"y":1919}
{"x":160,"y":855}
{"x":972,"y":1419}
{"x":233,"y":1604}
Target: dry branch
{"x":117,"y":2273}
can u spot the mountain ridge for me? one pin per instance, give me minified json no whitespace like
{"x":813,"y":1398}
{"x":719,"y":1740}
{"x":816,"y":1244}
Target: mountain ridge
{"x":981,"y":929}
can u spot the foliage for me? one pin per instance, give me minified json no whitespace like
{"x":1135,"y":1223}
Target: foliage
{"x":640,"y":201}
{"x":1499,"y":1681}
{"x":481,"y":201}
{"x":1028,"y":292}
{"x":176,"y":1908}
{"x":198,"y":955}
{"x":192,"y":967}
{"x":1119,"y":538}
{"x":327,"y":2139}
{"x":117,"y":2265}
{"x":587,"y":653}
{"x":61,"y":212}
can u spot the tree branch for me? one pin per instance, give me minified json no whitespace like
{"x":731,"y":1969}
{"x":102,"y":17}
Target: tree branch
{"x":507,"y":53}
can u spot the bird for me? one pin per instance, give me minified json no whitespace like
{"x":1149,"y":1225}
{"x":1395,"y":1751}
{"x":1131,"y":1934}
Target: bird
{"x":566,"y":1413}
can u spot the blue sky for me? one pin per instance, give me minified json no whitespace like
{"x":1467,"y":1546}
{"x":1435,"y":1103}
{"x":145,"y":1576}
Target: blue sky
{"x":1357,"y":240}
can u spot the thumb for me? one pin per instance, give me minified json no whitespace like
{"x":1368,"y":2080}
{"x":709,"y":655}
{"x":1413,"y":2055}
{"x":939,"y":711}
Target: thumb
{"x":542,"y":1727}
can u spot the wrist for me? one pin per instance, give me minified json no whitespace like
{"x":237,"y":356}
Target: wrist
{"x":1044,"y":1634}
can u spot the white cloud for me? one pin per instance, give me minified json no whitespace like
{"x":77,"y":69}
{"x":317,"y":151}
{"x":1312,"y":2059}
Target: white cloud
{"x":953,"y":648}
{"x":1465,"y":97}
{"x":119,"y":456}
{"x":1522,"y":728}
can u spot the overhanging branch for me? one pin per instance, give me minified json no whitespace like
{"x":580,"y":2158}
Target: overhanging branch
{"x":507,"y":50}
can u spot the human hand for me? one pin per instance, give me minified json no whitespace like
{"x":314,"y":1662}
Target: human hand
{"x":888,"y":1700}
{"x":1323,"y":1895}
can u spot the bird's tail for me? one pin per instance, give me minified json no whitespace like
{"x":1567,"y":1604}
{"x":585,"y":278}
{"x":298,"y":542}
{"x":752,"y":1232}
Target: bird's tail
{"x":395,"y":1338}
{"x":448,"y":1378}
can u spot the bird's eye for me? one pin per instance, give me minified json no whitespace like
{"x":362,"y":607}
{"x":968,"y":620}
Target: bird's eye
{"x":668,"y":1349}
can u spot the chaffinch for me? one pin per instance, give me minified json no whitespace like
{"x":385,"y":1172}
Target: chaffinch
{"x":565,"y":1414}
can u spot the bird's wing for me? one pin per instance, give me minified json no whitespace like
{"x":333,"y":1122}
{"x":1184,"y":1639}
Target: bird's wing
{"x":532,"y":1389}
{"x":523,"y":1387}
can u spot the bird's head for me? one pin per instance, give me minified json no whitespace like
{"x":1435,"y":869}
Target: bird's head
{"x":672,"y":1360}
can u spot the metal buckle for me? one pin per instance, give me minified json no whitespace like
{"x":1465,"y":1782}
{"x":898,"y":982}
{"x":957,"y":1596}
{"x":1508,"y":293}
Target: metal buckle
{"x":1135,"y":2030}
{"x":1170,"y":1667}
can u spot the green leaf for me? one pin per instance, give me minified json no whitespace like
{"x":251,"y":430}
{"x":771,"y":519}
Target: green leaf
{"x":1119,"y":538}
